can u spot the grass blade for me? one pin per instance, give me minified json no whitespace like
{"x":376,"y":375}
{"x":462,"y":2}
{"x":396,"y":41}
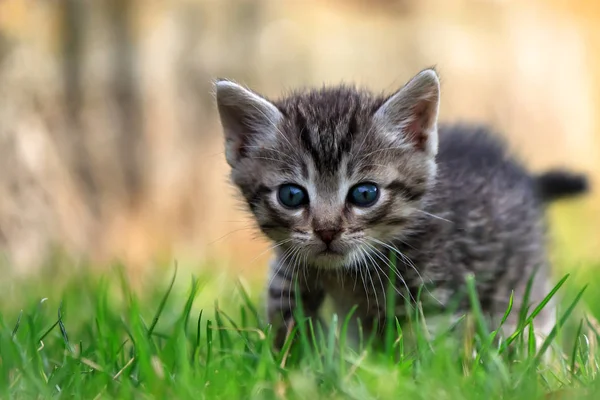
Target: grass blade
{"x":162,"y":304}
{"x":248,"y":302}
{"x":63,"y":330}
{"x":198,"y":334}
{"x":482,"y":327}
{"x":190,"y":303}
{"x":330,"y":349}
{"x":536,"y":311}
{"x":575,"y":347}
{"x":16,"y":328}
{"x":561,"y":322}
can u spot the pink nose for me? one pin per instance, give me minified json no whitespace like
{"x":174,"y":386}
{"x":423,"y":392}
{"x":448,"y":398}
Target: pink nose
{"x":328,"y":235}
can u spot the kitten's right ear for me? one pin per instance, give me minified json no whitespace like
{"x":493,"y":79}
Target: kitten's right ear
{"x":246,"y":117}
{"x":412,"y":112}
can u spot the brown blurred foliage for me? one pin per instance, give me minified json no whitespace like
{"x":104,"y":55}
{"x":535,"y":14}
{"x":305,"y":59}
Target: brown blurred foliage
{"x":109,"y":143}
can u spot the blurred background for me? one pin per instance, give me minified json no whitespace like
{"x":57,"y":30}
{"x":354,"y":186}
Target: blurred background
{"x":110,"y":147}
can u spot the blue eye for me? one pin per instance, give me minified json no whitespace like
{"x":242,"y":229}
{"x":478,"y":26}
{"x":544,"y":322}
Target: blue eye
{"x":363,"y":194}
{"x":292,"y":196}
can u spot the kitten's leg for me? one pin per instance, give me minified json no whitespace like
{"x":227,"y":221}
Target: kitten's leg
{"x":285,"y":287}
{"x":542,"y":326}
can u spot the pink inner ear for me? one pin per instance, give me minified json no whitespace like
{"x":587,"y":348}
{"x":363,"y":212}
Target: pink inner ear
{"x":416,"y":129}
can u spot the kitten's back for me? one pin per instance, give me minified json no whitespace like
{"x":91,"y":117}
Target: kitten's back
{"x":474,"y":157}
{"x":469,"y":152}
{"x":493,"y":217}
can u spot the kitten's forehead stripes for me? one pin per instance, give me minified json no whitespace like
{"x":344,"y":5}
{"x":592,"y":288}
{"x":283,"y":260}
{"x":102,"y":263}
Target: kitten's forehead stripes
{"x":327,"y":122}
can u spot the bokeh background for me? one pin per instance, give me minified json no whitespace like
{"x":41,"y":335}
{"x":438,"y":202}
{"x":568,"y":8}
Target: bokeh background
{"x":110,"y":148}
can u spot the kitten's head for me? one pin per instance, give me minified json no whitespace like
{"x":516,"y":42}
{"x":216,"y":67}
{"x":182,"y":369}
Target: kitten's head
{"x":329,"y":173}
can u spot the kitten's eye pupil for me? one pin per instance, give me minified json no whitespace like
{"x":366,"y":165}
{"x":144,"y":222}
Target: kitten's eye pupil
{"x":292,"y":196}
{"x":364,"y":194}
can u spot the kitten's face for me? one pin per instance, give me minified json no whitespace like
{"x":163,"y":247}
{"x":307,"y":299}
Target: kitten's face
{"x":330,"y":174}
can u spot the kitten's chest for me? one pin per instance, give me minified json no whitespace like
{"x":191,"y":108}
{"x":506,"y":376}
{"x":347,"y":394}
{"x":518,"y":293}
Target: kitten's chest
{"x":370,"y":293}
{"x":366,"y":293}
{"x":355,"y":290}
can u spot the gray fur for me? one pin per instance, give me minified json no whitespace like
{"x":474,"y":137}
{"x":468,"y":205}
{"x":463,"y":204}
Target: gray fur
{"x":448,"y":207}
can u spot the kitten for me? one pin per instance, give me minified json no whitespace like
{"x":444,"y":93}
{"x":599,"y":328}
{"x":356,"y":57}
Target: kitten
{"x":339,"y":179}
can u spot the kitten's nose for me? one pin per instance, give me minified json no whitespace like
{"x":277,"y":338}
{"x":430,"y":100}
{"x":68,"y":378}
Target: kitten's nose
{"x":328,"y":235}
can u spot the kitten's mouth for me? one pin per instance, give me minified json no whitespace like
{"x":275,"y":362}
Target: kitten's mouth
{"x":329,"y":252}
{"x":329,"y":258}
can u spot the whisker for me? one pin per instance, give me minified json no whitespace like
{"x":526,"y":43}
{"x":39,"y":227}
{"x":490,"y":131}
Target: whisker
{"x":342,"y":275}
{"x":408,"y":261}
{"x":299,"y":263}
{"x":264,"y":158}
{"x":230,"y":233}
{"x":375,"y":165}
{"x":380,"y":281}
{"x":388,"y":263}
{"x":405,"y":260}
{"x":434,"y":216}
{"x":370,"y":279}
{"x":363,"y":142}
{"x":362,"y":277}
{"x":353,"y":263}
{"x":380,"y":150}
{"x":294,"y":278}
{"x":271,"y":247}
{"x":280,"y":262}
{"x":287,"y":156}
{"x":305,"y":268}
{"x":404,"y":243}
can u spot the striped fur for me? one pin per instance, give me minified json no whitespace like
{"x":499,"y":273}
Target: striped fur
{"x":447,"y":208}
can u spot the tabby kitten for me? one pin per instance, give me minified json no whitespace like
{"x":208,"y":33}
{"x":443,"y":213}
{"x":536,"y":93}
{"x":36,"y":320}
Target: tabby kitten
{"x":339,"y":179}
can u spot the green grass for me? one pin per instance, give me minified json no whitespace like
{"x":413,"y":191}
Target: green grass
{"x":72,"y":334}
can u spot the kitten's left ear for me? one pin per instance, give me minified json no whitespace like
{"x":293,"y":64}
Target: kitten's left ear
{"x":247,"y":119}
{"x":412,"y":112}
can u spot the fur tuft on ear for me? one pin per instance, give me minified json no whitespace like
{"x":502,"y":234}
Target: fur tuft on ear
{"x":247,"y":118}
{"x":411,"y":113}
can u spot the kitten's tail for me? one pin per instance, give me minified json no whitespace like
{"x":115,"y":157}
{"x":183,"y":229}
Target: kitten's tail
{"x":558,"y":184}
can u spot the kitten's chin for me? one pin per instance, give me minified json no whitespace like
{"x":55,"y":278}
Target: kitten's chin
{"x":329,"y":260}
